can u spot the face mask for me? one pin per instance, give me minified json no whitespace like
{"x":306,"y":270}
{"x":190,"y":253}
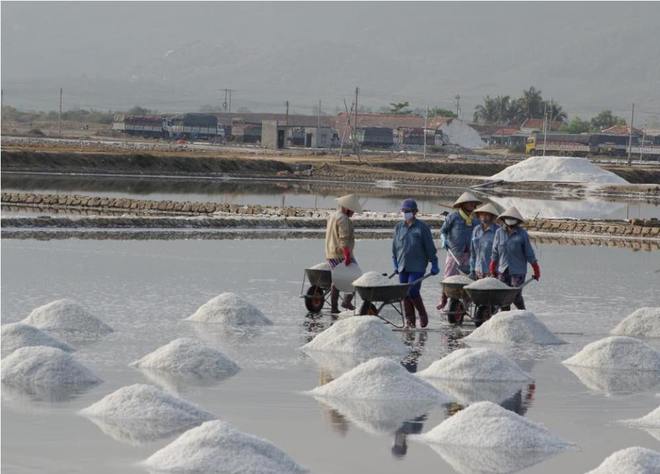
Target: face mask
{"x":510,"y":222}
{"x":408,"y":216}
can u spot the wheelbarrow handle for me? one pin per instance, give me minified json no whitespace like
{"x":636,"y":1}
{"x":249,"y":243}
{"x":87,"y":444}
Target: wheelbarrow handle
{"x":389,"y":277}
{"x":421,"y":279}
{"x":458,"y":264}
{"x":526,"y":283}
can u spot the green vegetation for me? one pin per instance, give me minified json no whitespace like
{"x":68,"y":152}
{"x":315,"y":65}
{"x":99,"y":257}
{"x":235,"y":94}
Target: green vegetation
{"x":603,"y":120}
{"x":513,"y":111}
{"x":400,"y":108}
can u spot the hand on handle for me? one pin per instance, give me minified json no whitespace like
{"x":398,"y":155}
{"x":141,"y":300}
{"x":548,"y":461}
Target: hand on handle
{"x":492,"y":268}
{"x":395,"y":265}
{"x":347,"y":256}
{"x":537,"y":271}
{"x":435,"y":269}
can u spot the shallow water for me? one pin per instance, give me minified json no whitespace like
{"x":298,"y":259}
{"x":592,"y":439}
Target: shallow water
{"x":145,"y":289}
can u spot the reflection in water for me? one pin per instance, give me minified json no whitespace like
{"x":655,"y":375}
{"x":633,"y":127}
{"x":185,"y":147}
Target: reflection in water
{"x":415,"y":426}
{"x":416,"y":345}
{"x":21,"y":393}
{"x":221,"y":334}
{"x":178,"y":383}
{"x":616,"y":382}
{"x":513,"y":396}
{"x":315,"y":323}
{"x":140,"y":431}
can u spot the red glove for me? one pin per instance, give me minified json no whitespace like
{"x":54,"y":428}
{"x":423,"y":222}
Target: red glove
{"x":537,"y":271}
{"x":347,"y":256}
{"x":492,"y":268}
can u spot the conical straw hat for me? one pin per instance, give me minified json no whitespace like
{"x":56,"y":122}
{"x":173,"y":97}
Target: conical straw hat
{"x":512,"y":213}
{"x":467,"y":196}
{"x":350,"y":201}
{"x":489,"y":208}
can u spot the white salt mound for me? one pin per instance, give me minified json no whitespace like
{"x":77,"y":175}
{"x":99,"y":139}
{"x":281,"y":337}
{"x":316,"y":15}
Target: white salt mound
{"x":617,"y":353}
{"x":370,"y":279}
{"x":461,"y":134}
{"x":488,"y":283}
{"x":17,"y":335}
{"x":514,"y":327}
{"x":380,"y":379}
{"x":65,"y":316}
{"x":479,"y":365}
{"x":361,"y":336}
{"x":487,"y":425}
{"x":230,"y":309}
{"x":458,"y":279}
{"x":41,"y":366}
{"x":558,"y":168}
{"x":185,"y":356}
{"x":630,"y":461}
{"x":322,"y":266}
{"x":644,"y":322}
{"x":146,"y":403}
{"x":651,"y":420}
{"x":215,"y":446}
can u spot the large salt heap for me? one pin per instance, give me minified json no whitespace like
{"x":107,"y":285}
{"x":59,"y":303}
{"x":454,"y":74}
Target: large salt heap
{"x":185,"y":356}
{"x":558,"y":168}
{"x":17,"y":335}
{"x":643,"y":322}
{"x":362,"y":336}
{"x":217,"y":447}
{"x":651,"y":420}
{"x":617,"y":353}
{"x":67,"y":319}
{"x":140,"y":413}
{"x":476,"y":364}
{"x":372,"y":279}
{"x":380,"y":379}
{"x":514,"y":327}
{"x":630,"y":461}
{"x":229,"y":309}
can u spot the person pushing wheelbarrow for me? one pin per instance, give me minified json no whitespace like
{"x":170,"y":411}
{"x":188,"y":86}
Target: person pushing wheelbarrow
{"x":481,"y":245}
{"x":412,"y":250}
{"x":339,"y":244}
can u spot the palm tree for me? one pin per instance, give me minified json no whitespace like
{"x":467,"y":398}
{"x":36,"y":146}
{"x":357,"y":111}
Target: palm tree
{"x":555,"y":112}
{"x":531,"y":103}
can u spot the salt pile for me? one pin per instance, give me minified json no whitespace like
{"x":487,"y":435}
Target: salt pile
{"x":186,"y":356}
{"x":630,"y":461}
{"x":40,"y":366}
{"x":615,"y":382}
{"x":651,"y":420}
{"x":230,"y":309}
{"x":215,"y":446}
{"x":322,"y":266}
{"x":488,"y":283}
{"x":487,"y":425}
{"x":644,"y":322}
{"x":380,"y":379}
{"x":362,"y":336}
{"x":507,"y":394}
{"x":558,"y":168}
{"x":617,"y":353}
{"x":17,"y":335}
{"x":458,"y":280}
{"x":67,"y":318}
{"x":514,"y":327}
{"x":461,"y":134}
{"x":370,"y":279}
{"x":481,"y":365}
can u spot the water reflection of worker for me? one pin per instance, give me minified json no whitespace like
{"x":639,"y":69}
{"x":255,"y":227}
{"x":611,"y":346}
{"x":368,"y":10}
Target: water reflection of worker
{"x":512,"y":251}
{"x":339,"y":244}
{"x":455,"y":237}
{"x":412,"y":250}
{"x":416,"y":349}
{"x":481,"y":245}
{"x":415,"y":426}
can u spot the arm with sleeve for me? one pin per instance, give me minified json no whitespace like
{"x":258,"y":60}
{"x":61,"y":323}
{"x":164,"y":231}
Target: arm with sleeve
{"x":529,"y":251}
{"x":473,"y":251}
{"x":429,"y":247}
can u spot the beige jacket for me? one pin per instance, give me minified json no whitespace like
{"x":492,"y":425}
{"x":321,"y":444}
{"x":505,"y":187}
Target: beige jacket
{"x":338,"y":234}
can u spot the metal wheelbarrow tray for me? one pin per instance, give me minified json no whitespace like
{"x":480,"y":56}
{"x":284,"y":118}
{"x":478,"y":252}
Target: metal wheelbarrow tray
{"x":320,"y":278}
{"x":499,"y":298}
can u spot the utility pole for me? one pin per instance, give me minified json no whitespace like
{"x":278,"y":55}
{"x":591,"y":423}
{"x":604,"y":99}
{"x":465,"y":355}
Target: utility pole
{"x":458,"y":105}
{"x":287,"y":113}
{"x":355,"y":125}
{"x":426,"y":121}
{"x":59,"y":117}
{"x":545,"y":125}
{"x":630,"y":132}
{"x":318,"y":116}
{"x":226,"y":105}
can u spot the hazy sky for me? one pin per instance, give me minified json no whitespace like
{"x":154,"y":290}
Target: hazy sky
{"x":177,"y":56}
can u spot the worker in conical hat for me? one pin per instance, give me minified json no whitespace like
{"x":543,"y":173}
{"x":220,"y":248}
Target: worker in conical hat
{"x":455,"y":236}
{"x":481,"y":245}
{"x":512,"y":251}
{"x":339,"y":243}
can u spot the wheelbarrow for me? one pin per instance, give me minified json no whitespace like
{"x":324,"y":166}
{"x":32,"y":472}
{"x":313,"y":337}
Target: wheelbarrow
{"x":459,"y":301}
{"x":320,"y":284}
{"x":488,"y":302}
{"x":375,"y":298}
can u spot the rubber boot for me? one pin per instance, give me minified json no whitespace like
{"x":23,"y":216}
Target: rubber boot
{"x":443,"y":302}
{"x":334,"y":300}
{"x":421,"y":310}
{"x":348,"y":302}
{"x":409,"y":312}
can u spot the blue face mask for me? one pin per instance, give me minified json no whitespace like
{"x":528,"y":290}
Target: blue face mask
{"x":408,"y":216}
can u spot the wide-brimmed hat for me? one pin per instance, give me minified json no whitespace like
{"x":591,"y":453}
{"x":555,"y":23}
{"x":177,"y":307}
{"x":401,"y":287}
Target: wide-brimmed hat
{"x":489,"y":208}
{"x":466,"y":197}
{"x":350,"y":201}
{"x":512,"y":213}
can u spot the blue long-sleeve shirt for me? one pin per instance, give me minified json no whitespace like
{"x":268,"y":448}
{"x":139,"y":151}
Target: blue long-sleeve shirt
{"x":413,"y":247}
{"x":481,"y":248}
{"x":513,"y":251}
{"x":457,"y":234}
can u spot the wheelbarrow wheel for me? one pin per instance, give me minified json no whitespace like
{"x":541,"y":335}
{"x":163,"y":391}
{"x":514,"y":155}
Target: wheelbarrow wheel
{"x":314,"y":299}
{"x":368,"y":309}
{"x":456,"y":312}
{"x":483,"y":314}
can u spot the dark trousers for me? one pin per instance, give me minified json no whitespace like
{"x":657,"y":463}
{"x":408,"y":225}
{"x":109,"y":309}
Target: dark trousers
{"x":513,"y":280}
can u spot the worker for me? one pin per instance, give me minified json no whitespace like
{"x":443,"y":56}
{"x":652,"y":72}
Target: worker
{"x":412,"y":250}
{"x":456,"y":235}
{"x":339,"y":244}
{"x":512,"y":251}
{"x":481,"y":245}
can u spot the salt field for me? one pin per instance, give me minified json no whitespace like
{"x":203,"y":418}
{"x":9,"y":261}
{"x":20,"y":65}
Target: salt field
{"x":145,"y":290}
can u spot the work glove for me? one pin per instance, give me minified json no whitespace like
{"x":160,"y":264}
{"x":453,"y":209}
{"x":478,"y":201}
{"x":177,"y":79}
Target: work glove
{"x":435,"y":269}
{"x":537,"y":271}
{"x":492,"y":268}
{"x":473,"y":275}
{"x":347,"y":255}
{"x":395,"y":265}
